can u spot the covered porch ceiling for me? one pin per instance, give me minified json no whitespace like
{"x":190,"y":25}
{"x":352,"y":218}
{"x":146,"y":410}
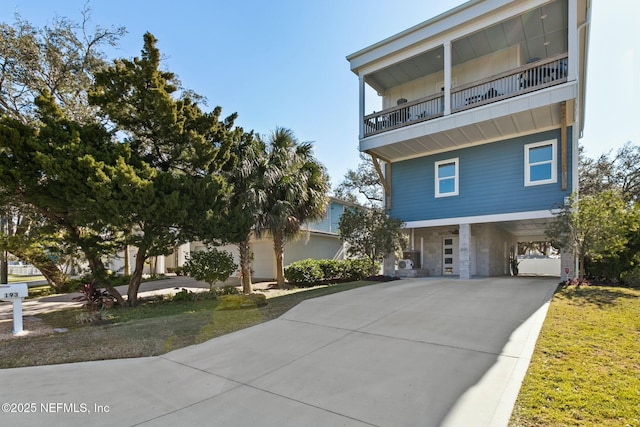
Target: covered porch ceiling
{"x":540,"y":33}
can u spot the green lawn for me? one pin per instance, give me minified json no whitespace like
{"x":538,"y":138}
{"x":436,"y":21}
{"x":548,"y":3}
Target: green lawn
{"x":12,"y":278}
{"x":147,"y":330}
{"x":585,"y":370}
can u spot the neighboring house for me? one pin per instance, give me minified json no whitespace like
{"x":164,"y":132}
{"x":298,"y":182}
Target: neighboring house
{"x":319,"y":240}
{"x":477,"y":138}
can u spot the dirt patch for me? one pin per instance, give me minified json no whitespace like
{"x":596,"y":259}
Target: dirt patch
{"x":271,"y":289}
{"x":32,"y":326}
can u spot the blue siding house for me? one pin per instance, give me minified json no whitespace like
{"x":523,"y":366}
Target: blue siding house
{"x":473,"y":118}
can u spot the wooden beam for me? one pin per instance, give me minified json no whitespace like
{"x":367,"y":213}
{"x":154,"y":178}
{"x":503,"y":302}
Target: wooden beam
{"x":563,"y":143}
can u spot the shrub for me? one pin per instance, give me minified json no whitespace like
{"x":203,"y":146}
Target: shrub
{"x":211,"y":266}
{"x":77,"y":284}
{"x":358,"y":269}
{"x":332,"y":270}
{"x":240,"y":301}
{"x":187,"y":295}
{"x":309,"y":272}
{"x":94,"y":299}
{"x":182,"y":295}
{"x":631,"y":278}
{"x":40,"y":291}
{"x":205,"y":296}
{"x":303,"y":273}
{"x":226,"y":290}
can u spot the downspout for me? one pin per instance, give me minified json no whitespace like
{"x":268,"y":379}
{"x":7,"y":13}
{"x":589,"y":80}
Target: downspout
{"x":563,"y":143}
{"x":578,"y":111}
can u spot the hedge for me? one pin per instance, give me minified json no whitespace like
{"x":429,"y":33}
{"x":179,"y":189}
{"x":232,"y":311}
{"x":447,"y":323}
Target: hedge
{"x":309,"y":272}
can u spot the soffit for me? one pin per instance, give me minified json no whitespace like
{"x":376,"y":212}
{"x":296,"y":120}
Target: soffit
{"x":530,"y":229}
{"x":462,"y":129}
{"x":540,"y":33}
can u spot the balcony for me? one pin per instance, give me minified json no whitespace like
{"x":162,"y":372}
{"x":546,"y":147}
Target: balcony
{"x":531,"y":77}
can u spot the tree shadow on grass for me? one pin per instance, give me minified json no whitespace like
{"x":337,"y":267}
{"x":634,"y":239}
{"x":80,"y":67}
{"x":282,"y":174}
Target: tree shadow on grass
{"x":597,"y":295}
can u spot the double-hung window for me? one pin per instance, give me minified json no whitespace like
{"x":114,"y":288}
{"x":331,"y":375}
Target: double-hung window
{"x":446,"y":178}
{"x":540,"y":163}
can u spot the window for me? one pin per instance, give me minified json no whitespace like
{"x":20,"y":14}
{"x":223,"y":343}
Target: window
{"x":540,"y":163}
{"x":446,"y":178}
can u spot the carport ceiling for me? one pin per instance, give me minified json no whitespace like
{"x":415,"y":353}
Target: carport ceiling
{"x":532,"y":229}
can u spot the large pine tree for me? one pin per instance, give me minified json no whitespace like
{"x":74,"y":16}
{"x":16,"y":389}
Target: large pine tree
{"x":182,"y":151}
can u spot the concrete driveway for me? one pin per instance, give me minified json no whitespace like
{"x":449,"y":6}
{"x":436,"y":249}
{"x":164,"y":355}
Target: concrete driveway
{"x":418,"y":352}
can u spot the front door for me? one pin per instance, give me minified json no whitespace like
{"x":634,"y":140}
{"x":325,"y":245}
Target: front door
{"x":450,"y":258}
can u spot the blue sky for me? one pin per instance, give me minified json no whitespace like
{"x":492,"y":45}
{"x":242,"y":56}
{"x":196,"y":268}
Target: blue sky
{"x":282,"y":62}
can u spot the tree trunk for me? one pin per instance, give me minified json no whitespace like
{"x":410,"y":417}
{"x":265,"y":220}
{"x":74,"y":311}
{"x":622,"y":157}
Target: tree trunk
{"x":581,"y":266}
{"x":127,"y":268}
{"x":244,"y":249}
{"x":96,"y":265}
{"x":56,"y":278}
{"x":136,"y":278}
{"x":278,"y":248}
{"x":18,"y":245}
{"x":99,"y":274}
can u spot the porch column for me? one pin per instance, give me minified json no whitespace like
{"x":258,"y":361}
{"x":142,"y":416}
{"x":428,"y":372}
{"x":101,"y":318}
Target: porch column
{"x":567,"y":263}
{"x":361,"y":107}
{"x":160,"y":265}
{"x":572,"y":48}
{"x":465,"y":251}
{"x":184,"y":251}
{"x":389,"y":265}
{"x":447,"y":78}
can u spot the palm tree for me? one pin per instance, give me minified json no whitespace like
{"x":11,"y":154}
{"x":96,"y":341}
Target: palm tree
{"x":249,"y":178}
{"x":297,"y":192}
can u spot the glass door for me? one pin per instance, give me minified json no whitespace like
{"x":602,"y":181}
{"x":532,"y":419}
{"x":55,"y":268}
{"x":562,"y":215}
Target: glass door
{"x":450,"y":258}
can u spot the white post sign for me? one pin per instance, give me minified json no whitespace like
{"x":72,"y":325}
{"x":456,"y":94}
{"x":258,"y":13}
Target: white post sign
{"x":15,"y":293}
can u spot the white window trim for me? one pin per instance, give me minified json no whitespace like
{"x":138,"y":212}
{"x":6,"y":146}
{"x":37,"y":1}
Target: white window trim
{"x":553,"y":161}
{"x":456,"y":177}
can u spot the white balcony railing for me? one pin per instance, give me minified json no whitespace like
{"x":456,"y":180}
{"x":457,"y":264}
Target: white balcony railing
{"x":527,"y":78}
{"x":409,"y":113}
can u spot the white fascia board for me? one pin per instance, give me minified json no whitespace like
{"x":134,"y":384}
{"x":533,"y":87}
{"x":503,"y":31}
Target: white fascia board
{"x":481,"y":219}
{"x":465,"y":19}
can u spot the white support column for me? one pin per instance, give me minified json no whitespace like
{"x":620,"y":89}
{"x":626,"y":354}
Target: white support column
{"x":465,"y":251}
{"x":184,"y":252}
{"x":361,"y":107}
{"x":389,"y":265}
{"x":447,"y":78}
{"x":160,"y":265}
{"x":568,"y":269}
{"x":572,"y":72}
